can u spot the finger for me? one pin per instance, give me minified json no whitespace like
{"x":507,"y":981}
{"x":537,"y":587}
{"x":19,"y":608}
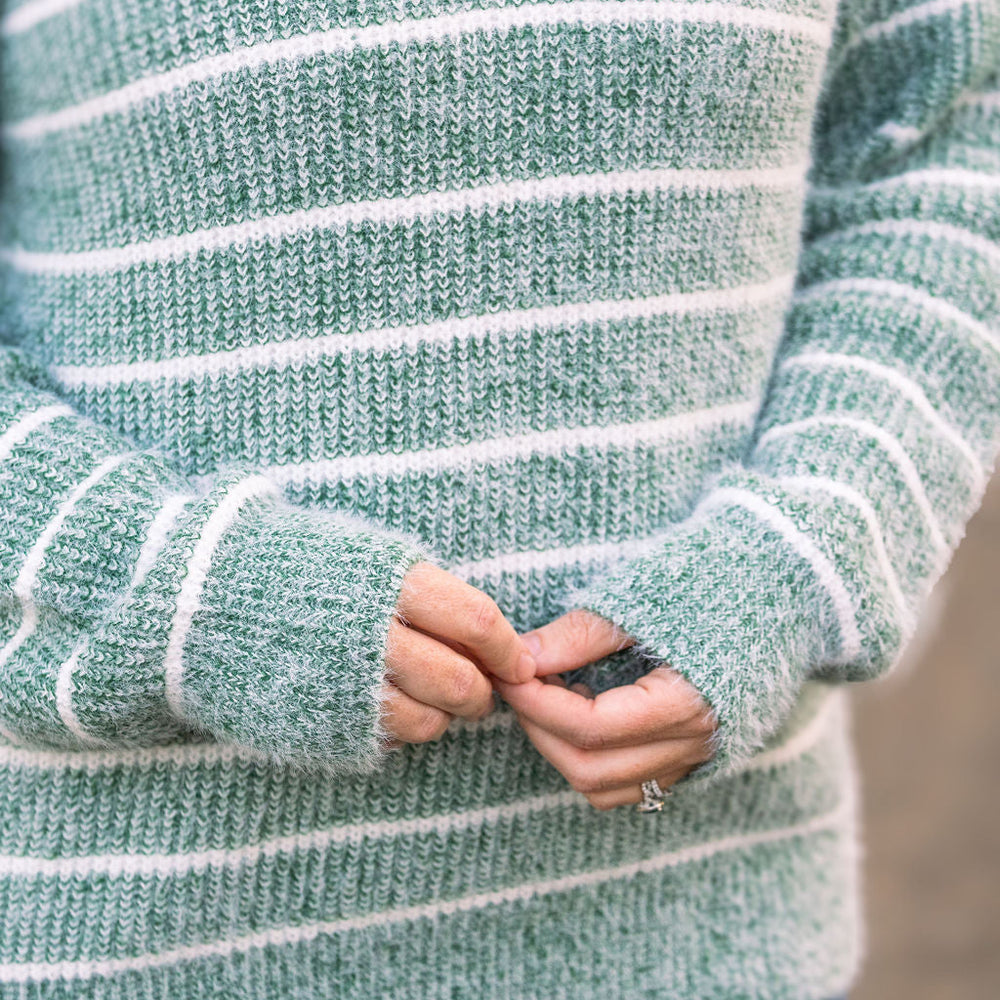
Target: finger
{"x":574,"y":640}
{"x":661,"y":705}
{"x":439,"y":603}
{"x":555,"y":679}
{"x":410,"y":720}
{"x":433,"y":673}
{"x":632,"y":794}
{"x":590,"y":771}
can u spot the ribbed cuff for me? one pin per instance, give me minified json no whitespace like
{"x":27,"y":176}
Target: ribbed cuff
{"x":759,"y":589}
{"x":285,"y":651}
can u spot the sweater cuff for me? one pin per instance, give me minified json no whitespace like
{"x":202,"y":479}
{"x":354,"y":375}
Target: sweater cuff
{"x":287,"y":616}
{"x":759,"y":589}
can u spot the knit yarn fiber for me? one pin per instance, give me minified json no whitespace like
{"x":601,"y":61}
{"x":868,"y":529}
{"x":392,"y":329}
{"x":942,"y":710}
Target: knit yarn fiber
{"x":683,"y":311}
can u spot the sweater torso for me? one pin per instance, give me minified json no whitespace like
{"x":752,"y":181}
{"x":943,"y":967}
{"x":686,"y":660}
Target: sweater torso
{"x":508,"y":276}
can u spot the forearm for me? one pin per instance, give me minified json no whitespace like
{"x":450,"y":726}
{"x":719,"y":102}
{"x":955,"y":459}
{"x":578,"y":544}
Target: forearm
{"x":813,"y":555}
{"x":141,"y":607}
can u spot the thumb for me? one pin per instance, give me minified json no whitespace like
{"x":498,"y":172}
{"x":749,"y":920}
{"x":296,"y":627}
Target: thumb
{"x":574,"y":640}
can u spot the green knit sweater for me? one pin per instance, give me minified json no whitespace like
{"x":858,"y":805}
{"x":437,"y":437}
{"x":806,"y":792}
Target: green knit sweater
{"x":683,"y":311}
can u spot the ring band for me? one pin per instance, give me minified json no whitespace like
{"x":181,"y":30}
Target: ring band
{"x":652,"y":797}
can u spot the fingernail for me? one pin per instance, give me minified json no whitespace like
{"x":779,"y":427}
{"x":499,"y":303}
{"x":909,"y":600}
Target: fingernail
{"x":532,"y":642}
{"x":528,"y":666}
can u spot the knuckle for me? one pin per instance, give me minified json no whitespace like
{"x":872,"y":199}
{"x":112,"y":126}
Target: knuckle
{"x":587,"y":736}
{"x":486,"y":616}
{"x":707,"y":723}
{"x":582,"y":625}
{"x":430,"y":726}
{"x":461,"y":688}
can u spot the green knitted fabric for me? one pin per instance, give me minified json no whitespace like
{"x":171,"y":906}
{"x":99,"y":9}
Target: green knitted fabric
{"x":683,"y":311}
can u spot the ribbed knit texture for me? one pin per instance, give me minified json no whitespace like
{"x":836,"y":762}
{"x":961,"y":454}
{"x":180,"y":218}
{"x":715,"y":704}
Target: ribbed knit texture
{"x":684,"y":311}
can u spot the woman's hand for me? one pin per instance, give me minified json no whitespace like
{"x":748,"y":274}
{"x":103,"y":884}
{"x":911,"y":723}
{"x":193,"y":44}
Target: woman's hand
{"x":445,"y":635}
{"x":660,"y":727}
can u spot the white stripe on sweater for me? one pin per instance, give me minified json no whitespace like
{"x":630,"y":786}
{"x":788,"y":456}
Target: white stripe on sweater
{"x":178,"y":755}
{"x":563,"y":440}
{"x":833,"y":710}
{"x":311,"y":349}
{"x":219,"y":521}
{"x":899,"y":134}
{"x":10,"y":736}
{"x":888,"y":443}
{"x":917,"y":14}
{"x":800,"y":543}
{"x":24,"y":972}
{"x":65,"y":692}
{"x":31,"y":13}
{"x":167,"y":865}
{"x":915,"y":229}
{"x":895,"y":290}
{"x":911,"y":15}
{"x":525,"y":562}
{"x":434,"y":28}
{"x":94,"y":761}
{"x":906,"y":388}
{"x":173,"y":754}
{"x":801,"y":742}
{"x":22,"y":428}
{"x":156,"y":537}
{"x":27,"y":578}
{"x":957,"y":177}
{"x":392,"y":211}
{"x":861,"y":503}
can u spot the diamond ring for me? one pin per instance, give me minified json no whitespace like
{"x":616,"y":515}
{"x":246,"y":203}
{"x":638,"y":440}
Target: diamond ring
{"x":652,"y":797}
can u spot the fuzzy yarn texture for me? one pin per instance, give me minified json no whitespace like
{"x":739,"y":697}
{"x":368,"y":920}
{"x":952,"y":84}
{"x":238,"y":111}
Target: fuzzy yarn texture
{"x":683,"y":311}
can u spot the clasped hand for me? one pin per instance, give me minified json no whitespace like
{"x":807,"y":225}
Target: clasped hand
{"x":450,"y":646}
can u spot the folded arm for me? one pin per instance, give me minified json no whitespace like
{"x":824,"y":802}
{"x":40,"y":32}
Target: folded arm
{"x":139,"y":607}
{"x":812,"y":557}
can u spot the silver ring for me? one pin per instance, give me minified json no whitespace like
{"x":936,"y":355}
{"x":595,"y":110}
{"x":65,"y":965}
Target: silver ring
{"x":652,"y":797}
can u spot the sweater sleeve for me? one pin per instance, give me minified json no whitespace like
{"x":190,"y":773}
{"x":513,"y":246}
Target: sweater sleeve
{"x":811,"y":558}
{"x":140,"y":607}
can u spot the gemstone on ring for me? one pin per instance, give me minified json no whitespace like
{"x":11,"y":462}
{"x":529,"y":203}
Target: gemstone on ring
{"x":652,"y":797}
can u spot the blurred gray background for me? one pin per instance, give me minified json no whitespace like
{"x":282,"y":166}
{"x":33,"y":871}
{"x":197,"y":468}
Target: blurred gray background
{"x":928,"y":745}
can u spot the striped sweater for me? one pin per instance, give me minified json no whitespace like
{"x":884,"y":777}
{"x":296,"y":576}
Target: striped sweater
{"x":683,"y":311}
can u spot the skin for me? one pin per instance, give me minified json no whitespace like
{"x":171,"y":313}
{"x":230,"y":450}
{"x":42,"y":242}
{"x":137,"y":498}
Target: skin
{"x":606,"y":746}
{"x":446,"y":641}
{"x":450,"y":646}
